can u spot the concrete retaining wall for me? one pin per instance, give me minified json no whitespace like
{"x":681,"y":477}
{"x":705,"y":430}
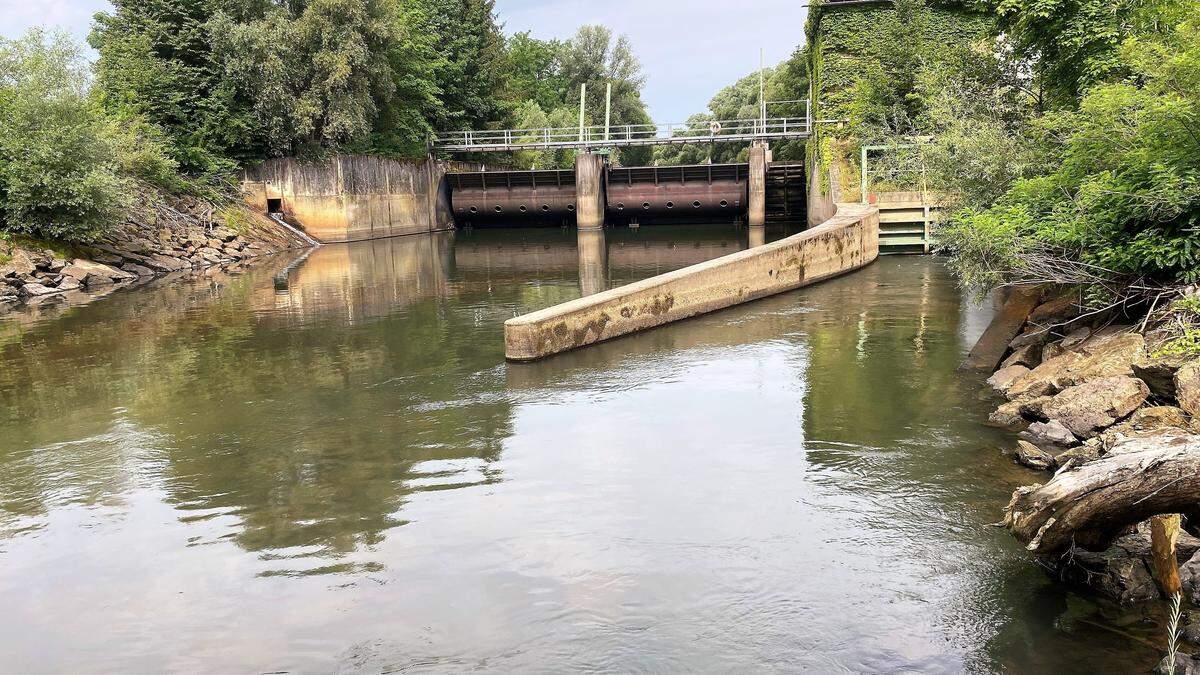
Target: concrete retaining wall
{"x":845,"y":242}
{"x":353,"y":197}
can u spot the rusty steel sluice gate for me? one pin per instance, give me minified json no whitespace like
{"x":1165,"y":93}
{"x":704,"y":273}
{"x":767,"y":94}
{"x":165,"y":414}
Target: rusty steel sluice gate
{"x":709,"y":192}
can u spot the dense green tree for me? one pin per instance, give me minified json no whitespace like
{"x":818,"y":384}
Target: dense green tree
{"x":535,"y":71}
{"x":314,"y":80}
{"x":594,"y":58}
{"x":1114,"y":197}
{"x":545,"y":78}
{"x":1074,"y":44}
{"x":471,"y":73}
{"x":156,"y":64}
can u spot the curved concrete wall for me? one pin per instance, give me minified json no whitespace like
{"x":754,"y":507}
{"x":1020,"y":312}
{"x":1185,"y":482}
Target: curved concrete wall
{"x":353,"y":197}
{"x":845,"y":242}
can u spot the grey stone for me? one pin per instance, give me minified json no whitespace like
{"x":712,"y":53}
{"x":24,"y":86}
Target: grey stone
{"x":68,"y":284}
{"x":162,"y":263}
{"x":34,"y":290}
{"x":1122,"y":572}
{"x":1028,"y":356}
{"x":1008,"y":416}
{"x":1050,"y":436}
{"x":1056,"y":310}
{"x":1052,"y":350}
{"x":1185,"y":664}
{"x":1144,"y":422}
{"x":140,"y":270}
{"x":1002,"y":379}
{"x":92,"y":273}
{"x":1191,"y":633}
{"x":1028,"y":454}
{"x":1033,"y":335}
{"x":1075,"y":337}
{"x":20,"y":265}
{"x":1189,"y":575}
{"x":1080,"y":454}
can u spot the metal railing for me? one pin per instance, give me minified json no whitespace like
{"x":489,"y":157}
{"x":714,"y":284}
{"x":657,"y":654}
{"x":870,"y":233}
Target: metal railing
{"x":625,"y":135}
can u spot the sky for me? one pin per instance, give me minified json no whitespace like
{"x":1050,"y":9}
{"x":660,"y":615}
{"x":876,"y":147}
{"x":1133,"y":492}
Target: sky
{"x":688,"y":48}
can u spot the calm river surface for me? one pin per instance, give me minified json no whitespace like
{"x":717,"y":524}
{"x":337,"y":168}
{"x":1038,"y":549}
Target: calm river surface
{"x":331,"y":468}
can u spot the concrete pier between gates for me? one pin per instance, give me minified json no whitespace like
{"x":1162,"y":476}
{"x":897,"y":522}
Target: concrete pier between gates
{"x":589,"y":191}
{"x":847,"y":241}
{"x":759,"y":158}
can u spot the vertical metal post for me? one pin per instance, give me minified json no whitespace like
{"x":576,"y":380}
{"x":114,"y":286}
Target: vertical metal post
{"x":607,"y":109}
{"x":762,"y":90}
{"x":582,"y":102}
{"x":863,"y":173}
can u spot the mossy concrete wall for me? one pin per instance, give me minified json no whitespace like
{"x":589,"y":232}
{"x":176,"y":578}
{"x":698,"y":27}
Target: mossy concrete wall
{"x":856,"y":50}
{"x":355,"y":197}
{"x":845,"y":242}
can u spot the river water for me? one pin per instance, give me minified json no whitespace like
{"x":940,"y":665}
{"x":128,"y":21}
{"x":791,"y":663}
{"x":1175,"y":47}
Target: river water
{"x":325,"y":464}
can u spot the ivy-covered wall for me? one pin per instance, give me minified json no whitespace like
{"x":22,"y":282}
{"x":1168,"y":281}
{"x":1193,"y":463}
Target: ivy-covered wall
{"x":867,"y":63}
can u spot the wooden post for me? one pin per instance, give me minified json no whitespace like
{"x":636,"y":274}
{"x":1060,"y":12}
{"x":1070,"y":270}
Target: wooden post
{"x":1164,"y":532}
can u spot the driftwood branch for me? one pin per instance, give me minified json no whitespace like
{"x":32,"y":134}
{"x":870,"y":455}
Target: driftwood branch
{"x":1088,"y":505}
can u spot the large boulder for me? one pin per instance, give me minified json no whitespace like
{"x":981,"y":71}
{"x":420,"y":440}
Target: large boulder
{"x":1002,"y":379}
{"x":1107,"y":354}
{"x":20,"y":265}
{"x":1055,"y":311}
{"x":1050,"y":436}
{"x":1008,"y":416}
{"x":1158,"y":372}
{"x":1028,"y":356}
{"x":1145,"y":422}
{"x":91,"y":273}
{"x":1187,"y":387}
{"x":1080,"y":454}
{"x":1089,"y":408}
{"x":1044,"y":379}
{"x":34,"y":290}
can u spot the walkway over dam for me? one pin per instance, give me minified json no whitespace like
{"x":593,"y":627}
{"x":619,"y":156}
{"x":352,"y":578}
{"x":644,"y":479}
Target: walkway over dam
{"x":625,"y":135}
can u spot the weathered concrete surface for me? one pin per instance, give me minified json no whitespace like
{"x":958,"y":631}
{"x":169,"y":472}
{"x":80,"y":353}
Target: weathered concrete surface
{"x":993,"y":344}
{"x":757,"y":213}
{"x":843,"y":243}
{"x":589,"y":191}
{"x":354,"y":197}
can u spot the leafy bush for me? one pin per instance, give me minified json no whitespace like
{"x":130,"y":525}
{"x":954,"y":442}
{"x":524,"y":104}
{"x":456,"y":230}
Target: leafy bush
{"x":58,"y":157}
{"x":1118,"y":201}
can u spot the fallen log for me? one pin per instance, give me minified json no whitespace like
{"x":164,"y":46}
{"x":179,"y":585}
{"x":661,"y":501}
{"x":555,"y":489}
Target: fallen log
{"x":1090,"y":504}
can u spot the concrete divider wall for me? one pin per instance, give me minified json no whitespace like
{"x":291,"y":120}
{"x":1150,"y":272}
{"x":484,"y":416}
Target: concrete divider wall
{"x":354,"y":197}
{"x":845,"y":242}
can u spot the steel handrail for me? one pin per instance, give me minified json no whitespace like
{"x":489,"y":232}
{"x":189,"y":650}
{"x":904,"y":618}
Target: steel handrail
{"x":598,"y":135}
